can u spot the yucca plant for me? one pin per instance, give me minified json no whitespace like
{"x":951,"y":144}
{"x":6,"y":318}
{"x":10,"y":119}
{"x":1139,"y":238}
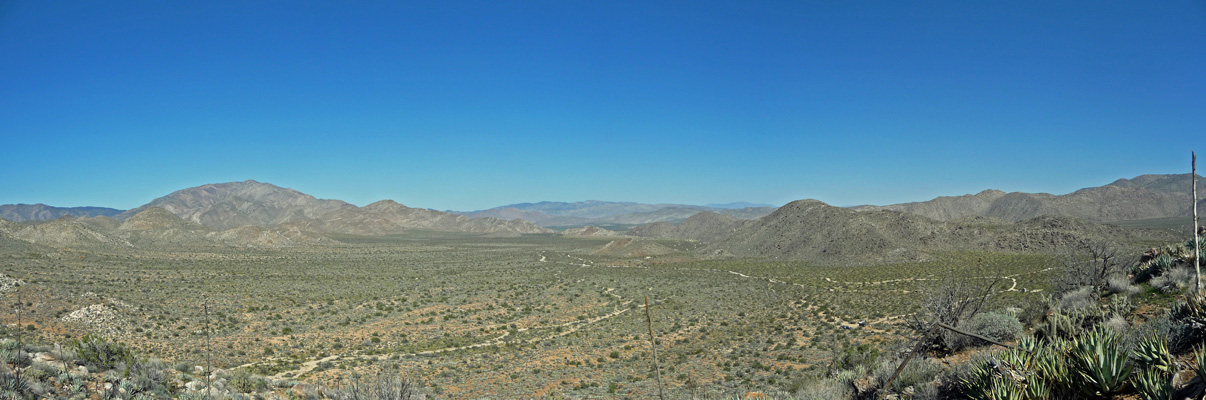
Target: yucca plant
{"x":1101,"y":363}
{"x":1153,"y":384}
{"x":1152,"y":353}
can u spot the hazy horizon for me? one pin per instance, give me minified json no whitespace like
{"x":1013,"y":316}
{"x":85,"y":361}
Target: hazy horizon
{"x":470,"y":106}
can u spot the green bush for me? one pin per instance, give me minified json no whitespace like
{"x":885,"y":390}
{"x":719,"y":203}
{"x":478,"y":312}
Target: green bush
{"x":993,"y":325}
{"x":100,"y":355}
{"x":916,"y":373}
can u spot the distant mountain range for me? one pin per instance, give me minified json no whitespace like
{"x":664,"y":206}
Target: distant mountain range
{"x":814,"y":231}
{"x":1144,"y":197}
{"x":990,"y":220}
{"x":251,"y":213}
{"x":594,"y":212}
{"x":42,"y":212}
{"x":247,"y":213}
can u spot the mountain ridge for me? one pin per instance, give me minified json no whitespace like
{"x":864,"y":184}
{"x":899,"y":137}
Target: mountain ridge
{"x":42,"y":212}
{"x":1142,"y":197}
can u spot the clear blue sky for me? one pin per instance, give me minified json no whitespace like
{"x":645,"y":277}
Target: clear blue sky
{"x":470,"y":105}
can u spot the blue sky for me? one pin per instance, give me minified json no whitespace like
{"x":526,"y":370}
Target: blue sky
{"x":471,"y":105}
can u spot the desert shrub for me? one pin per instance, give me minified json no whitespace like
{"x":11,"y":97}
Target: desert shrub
{"x":100,"y":355}
{"x":949,"y":301}
{"x":1034,"y":308}
{"x":993,"y":325}
{"x":854,"y":355}
{"x":1084,"y":297}
{"x":1090,"y":263}
{"x":1189,"y":328}
{"x":384,"y":386}
{"x":1120,"y":284}
{"x":824,"y":389}
{"x":1117,"y":324}
{"x":916,"y":373}
{"x":245,"y":382}
{"x":1179,"y":279}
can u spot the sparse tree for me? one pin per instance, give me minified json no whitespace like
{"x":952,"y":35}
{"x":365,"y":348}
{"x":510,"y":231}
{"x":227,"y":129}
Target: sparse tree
{"x":1090,"y":263}
{"x":949,"y":301}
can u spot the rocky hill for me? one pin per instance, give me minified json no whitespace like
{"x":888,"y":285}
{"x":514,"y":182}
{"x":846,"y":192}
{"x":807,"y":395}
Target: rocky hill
{"x":42,"y":212}
{"x":154,"y":227}
{"x":592,"y":231}
{"x":234,"y":204}
{"x":1144,"y":197}
{"x":69,"y":232}
{"x":389,"y":217}
{"x":705,"y":226}
{"x":815,"y":231}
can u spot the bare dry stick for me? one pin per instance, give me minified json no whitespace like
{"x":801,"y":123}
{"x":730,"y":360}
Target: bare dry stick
{"x":1197,"y":253}
{"x":920,"y":341}
{"x":653,"y":345}
{"x":20,"y":344}
{"x":208,"y":384}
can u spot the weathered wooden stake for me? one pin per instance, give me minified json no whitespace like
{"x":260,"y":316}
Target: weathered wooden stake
{"x":653,"y":345}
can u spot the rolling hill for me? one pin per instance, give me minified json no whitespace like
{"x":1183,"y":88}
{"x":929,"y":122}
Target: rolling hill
{"x":1143,"y":197}
{"x":812,"y":230}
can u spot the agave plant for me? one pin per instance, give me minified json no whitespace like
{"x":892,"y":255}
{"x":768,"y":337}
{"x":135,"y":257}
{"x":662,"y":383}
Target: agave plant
{"x":1004,"y":388}
{"x":1019,"y":373}
{"x":992,"y":380}
{"x":1050,"y":363}
{"x":1153,"y":384}
{"x":1101,"y":363}
{"x":1200,"y":357}
{"x":1163,"y":263}
{"x":1152,"y":352}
